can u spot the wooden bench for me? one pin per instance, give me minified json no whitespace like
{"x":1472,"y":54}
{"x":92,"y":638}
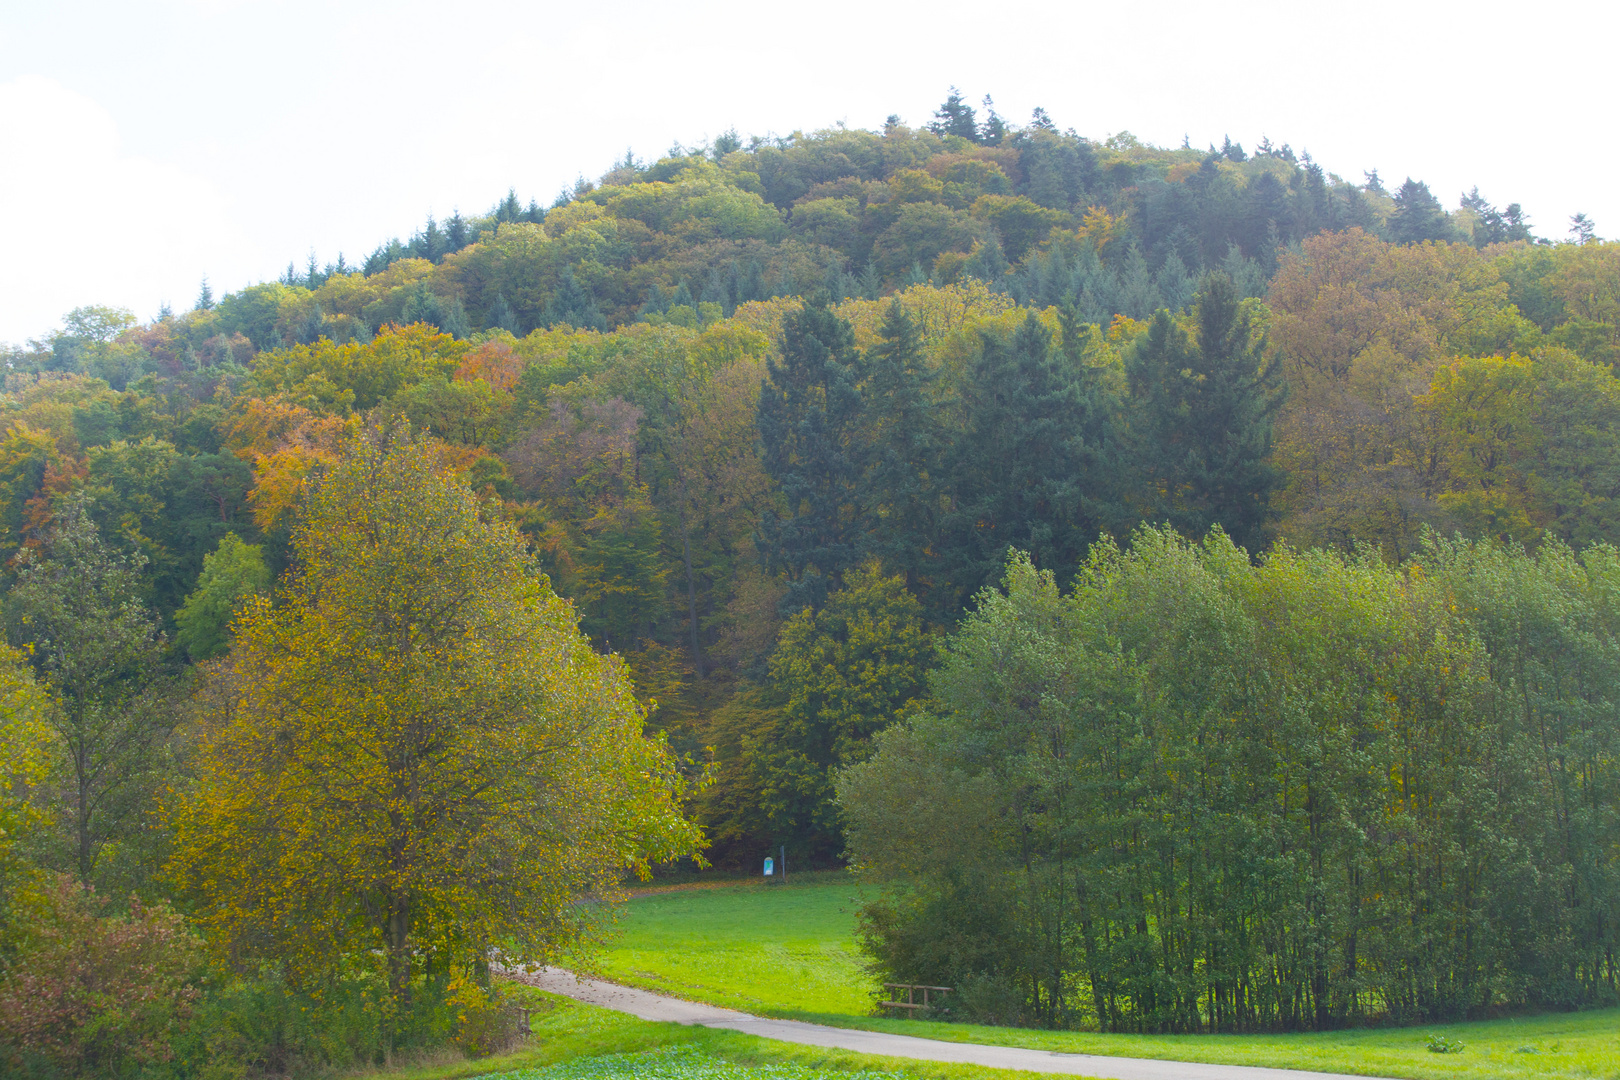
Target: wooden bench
{"x":911,"y":989}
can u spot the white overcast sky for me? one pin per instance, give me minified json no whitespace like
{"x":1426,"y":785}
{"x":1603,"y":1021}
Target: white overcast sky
{"x":146,"y":144}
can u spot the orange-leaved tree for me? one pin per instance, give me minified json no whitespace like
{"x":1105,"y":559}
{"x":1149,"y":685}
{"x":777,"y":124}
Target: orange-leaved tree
{"x":411,"y":757}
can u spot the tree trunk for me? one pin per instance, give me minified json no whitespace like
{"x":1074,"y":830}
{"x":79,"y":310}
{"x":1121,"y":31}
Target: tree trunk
{"x":691,"y":594}
{"x":398,"y":939}
{"x":81,"y":812}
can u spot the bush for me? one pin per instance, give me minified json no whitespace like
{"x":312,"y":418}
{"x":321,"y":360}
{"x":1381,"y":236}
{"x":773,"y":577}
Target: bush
{"x":256,"y":1024}
{"x":86,"y":992}
{"x":990,"y":999}
{"x":483,"y":1020}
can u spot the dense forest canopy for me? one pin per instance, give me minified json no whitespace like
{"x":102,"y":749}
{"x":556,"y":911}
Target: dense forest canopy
{"x":770,"y":415}
{"x":1005,"y":347}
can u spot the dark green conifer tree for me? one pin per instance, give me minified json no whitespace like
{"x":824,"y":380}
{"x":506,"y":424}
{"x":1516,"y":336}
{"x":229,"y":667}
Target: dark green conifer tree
{"x":500,"y":316}
{"x":955,"y":117}
{"x":809,"y":425}
{"x":987,"y":261}
{"x":1173,"y":283}
{"x":1023,"y":473}
{"x":995,"y":128}
{"x":717,"y":291}
{"x":751,"y":286}
{"x":1265,"y":215}
{"x":871,"y":282}
{"x":431,"y":243}
{"x":900,"y":485}
{"x":573,"y":304}
{"x":1313,"y":215}
{"x":458,"y":233}
{"x":1204,"y":422}
{"x":1418,"y":216}
{"x":509,"y":210}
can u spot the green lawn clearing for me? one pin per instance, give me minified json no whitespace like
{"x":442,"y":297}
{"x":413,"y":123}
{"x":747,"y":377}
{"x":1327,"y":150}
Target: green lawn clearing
{"x":789,"y":952}
{"x":784,"y":951}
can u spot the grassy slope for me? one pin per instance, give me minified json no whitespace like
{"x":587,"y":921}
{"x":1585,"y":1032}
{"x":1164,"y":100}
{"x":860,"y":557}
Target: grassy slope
{"x":788,"y":952}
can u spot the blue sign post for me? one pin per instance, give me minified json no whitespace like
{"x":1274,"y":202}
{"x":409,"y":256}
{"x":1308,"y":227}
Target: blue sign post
{"x":770,"y":867}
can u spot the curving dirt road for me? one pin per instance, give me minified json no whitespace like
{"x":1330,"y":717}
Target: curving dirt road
{"x":650,"y":1006}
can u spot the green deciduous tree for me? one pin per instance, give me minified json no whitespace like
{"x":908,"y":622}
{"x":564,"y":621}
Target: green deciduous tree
{"x":844,"y":672}
{"x":232,"y":574}
{"x":29,"y":750}
{"x":98,"y":650}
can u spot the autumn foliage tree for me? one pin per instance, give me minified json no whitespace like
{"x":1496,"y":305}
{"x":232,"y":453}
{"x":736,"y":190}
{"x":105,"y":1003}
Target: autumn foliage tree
{"x":413,"y":757}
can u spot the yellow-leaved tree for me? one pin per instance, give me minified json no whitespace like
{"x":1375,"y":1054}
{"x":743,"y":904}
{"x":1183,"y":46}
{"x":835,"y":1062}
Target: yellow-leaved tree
{"x":411,"y":758}
{"x":28,"y":747}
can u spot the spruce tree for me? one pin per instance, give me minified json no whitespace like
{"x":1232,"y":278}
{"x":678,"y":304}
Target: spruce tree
{"x":1174,"y":284}
{"x":1418,"y":216}
{"x":509,"y":210}
{"x":1265,"y":213}
{"x":809,"y":417}
{"x":902,"y":477}
{"x":717,"y":291}
{"x":1025,"y":473}
{"x":995,"y":128}
{"x":1204,"y":426}
{"x":987,"y":261}
{"x":955,"y":117}
{"x":500,"y":316}
{"x":572,"y":304}
{"x":458,"y":233}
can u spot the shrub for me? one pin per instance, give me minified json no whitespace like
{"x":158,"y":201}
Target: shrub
{"x":88,"y":992}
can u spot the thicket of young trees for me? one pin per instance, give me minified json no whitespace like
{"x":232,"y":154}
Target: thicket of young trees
{"x":1199,"y":793}
{"x":768,"y":417}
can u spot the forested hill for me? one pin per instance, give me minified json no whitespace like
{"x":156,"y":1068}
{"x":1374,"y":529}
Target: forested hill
{"x":1045,"y":216}
{"x":772,"y":413}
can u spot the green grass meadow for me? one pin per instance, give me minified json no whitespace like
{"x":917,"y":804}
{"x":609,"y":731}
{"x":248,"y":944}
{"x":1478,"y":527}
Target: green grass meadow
{"x":789,"y":952}
{"x":769,"y":949}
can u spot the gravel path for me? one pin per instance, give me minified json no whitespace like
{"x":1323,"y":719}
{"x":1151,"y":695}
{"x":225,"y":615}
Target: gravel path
{"x":650,"y":1006}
